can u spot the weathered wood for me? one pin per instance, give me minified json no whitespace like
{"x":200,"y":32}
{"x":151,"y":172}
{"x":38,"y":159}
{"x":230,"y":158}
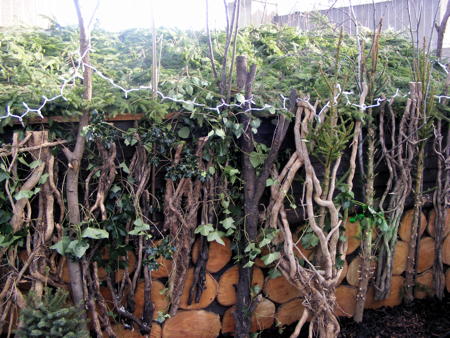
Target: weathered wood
{"x":263,"y":317}
{"x":228,"y":281}
{"x":280,"y":290}
{"x":400,"y":258}
{"x":354,"y":270}
{"x":192,"y":324}
{"x":446,"y":251}
{"x":345,"y":300}
{"x":290,"y":312}
{"x":426,"y":254}
{"x":431,"y":225}
{"x":353,"y":234}
{"x":218,"y":255}
{"x":424,"y":285}
{"x":406,"y":223}
{"x":159,"y":298}
{"x":208,"y":295}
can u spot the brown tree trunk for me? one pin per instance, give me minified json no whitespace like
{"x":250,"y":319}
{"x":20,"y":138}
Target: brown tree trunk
{"x":253,"y":190}
{"x":441,"y":31}
{"x":74,"y":158}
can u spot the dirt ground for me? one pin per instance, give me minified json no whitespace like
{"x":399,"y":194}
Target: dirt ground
{"x":423,"y":319}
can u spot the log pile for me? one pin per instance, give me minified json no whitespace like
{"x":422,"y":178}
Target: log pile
{"x":276,"y":302}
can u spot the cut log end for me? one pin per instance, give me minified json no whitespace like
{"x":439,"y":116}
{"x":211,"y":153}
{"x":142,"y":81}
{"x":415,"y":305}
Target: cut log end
{"x":263,"y":317}
{"x":353,"y":234}
{"x":406,"y":224}
{"x":218,"y":255}
{"x":354,"y":270}
{"x":424,"y":285}
{"x":426,"y":254}
{"x":280,"y":290}
{"x":208,"y":295}
{"x":431,"y":225}
{"x":290,"y":312}
{"x":159,"y":297}
{"x":345,"y":300}
{"x":400,"y":258}
{"x":227,"y":284}
{"x":195,"y":324}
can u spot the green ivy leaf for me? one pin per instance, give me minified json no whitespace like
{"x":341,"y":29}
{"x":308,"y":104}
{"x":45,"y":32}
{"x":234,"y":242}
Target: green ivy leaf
{"x":220,"y":132}
{"x":270,"y":258}
{"x":124,"y":167}
{"x":270,"y":182}
{"x":204,"y":229}
{"x":228,"y":223}
{"x":3,"y":176}
{"x":43,"y":179}
{"x":274,"y":273}
{"x":249,"y":264}
{"x":35,"y":164}
{"x":184,"y":132}
{"x":216,"y":236}
{"x":139,"y":227}
{"x":240,"y":98}
{"x":310,"y":240}
{"x":61,"y":245}
{"x":77,"y":248}
{"x":94,"y":233}
{"x":265,"y":241}
{"x":23,"y":194}
{"x":188,"y":106}
{"x":257,"y":159}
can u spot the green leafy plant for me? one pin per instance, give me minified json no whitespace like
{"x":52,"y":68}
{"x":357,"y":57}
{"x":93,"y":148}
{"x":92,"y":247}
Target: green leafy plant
{"x":51,"y":316}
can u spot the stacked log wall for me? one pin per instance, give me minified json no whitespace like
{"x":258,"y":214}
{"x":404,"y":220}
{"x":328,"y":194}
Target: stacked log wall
{"x":277,"y":302}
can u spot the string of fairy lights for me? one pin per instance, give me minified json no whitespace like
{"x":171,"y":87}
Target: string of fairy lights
{"x":246,"y":105}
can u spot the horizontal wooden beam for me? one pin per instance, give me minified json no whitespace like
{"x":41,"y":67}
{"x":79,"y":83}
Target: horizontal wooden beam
{"x":69,"y":119}
{"x":74,"y":119}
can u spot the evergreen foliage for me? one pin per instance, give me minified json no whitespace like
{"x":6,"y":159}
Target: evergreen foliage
{"x":50,"y":317}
